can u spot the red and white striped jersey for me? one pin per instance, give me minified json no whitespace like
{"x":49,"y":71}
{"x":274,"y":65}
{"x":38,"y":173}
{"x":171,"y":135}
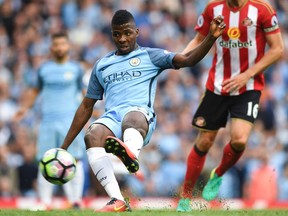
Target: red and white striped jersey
{"x":243,"y":42}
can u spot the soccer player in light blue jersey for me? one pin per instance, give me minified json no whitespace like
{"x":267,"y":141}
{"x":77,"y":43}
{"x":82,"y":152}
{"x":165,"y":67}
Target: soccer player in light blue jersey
{"x":60,"y":85}
{"x":127,"y":78}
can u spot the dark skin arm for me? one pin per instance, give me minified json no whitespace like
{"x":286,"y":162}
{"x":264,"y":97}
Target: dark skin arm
{"x":192,"y":57}
{"x":81,"y":117}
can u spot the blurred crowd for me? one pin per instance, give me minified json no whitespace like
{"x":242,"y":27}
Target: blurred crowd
{"x":25,"y":30}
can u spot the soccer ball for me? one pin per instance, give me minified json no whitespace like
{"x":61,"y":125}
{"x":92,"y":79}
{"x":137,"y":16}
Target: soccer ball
{"x":58,"y":166}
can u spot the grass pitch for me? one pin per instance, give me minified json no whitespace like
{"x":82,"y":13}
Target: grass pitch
{"x":146,"y":213}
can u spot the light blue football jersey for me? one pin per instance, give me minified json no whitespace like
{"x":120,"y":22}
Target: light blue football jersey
{"x":60,"y":86}
{"x":128,"y":80}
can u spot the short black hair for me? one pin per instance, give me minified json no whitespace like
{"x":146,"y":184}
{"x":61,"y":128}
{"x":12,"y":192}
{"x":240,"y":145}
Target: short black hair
{"x":59,"y":35}
{"x":122,"y":17}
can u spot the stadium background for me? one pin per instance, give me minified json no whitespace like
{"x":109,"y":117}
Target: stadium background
{"x":25,"y":26}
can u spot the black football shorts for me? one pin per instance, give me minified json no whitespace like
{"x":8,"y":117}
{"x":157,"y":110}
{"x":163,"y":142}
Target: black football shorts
{"x":214,"y":110}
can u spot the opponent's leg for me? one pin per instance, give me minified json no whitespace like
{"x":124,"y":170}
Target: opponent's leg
{"x":230,"y":157}
{"x":240,"y":130}
{"x":195,"y":163}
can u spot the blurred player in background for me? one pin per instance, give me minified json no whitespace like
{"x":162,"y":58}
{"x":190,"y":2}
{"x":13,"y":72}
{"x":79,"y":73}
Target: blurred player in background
{"x":127,"y":77}
{"x":233,"y":87}
{"x":60,"y":84}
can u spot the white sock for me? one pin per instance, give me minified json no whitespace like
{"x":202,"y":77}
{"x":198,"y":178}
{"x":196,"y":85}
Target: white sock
{"x":74,"y":188}
{"x":103,"y":169}
{"x":45,"y":190}
{"x":133,"y":139}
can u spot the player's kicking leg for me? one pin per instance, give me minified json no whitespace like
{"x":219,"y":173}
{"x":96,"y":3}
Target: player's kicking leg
{"x":137,"y":124}
{"x":121,"y":150}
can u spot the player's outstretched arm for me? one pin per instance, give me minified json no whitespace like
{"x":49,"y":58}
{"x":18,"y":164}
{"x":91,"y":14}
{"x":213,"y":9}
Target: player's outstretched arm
{"x":195,"y":55}
{"x":81,"y":117}
{"x":194,"y":43}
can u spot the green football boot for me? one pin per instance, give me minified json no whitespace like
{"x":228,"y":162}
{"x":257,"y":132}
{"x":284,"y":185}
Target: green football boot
{"x":184,"y":205}
{"x":212,"y":187}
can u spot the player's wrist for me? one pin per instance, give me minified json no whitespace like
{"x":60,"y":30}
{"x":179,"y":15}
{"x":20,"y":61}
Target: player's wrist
{"x":250,"y":74}
{"x":211,"y":37}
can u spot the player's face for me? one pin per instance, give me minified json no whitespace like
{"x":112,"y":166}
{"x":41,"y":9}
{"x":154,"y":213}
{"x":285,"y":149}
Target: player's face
{"x":60,"y":47}
{"x":124,"y":37}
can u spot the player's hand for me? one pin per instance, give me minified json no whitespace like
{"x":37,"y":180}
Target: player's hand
{"x":217,"y":26}
{"x":234,"y":84}
{"x":19,"y":115}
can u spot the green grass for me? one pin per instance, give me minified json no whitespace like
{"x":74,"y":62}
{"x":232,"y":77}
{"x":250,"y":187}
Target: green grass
{"x":146,"y":213}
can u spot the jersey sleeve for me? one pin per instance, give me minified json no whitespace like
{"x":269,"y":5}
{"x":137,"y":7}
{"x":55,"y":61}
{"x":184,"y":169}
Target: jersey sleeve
{"x":95,"y":90}
{"x":161,"y":58}
{"x":204,"y":20}
{"x":269,"y":20}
